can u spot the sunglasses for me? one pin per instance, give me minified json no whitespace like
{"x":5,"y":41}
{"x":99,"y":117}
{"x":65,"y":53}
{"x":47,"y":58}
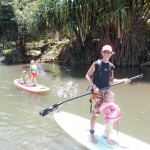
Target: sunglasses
{"x":106,"y":52}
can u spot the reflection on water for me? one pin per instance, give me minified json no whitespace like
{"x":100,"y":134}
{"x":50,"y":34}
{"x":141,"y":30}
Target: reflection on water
{"x":21,"y":127}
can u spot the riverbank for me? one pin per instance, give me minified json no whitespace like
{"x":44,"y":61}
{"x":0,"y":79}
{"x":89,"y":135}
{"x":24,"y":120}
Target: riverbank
{"x":51,"y":52}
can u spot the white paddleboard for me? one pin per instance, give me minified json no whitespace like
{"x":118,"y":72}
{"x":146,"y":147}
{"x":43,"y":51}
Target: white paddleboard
{"x":78,"y":128}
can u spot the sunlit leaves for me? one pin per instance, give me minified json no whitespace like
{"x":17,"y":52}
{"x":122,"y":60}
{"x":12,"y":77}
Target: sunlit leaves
{"x":114,"y":20}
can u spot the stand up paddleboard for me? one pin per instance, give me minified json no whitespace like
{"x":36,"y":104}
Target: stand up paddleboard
{"x":39,"y":89}
{"x":78,"y":128}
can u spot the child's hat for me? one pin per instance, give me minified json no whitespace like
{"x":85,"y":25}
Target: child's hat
{"x":23,"y":71}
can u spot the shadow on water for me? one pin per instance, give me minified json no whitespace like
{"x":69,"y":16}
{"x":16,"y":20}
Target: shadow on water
{"x":79,"y":71}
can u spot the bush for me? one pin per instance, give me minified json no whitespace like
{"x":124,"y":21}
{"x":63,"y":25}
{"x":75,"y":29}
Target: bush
{"x":7,"y":52}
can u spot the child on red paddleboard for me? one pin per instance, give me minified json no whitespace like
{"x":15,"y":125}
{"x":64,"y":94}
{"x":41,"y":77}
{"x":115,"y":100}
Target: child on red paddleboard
{"x":33,"y":72}
{"x":24,"y":78}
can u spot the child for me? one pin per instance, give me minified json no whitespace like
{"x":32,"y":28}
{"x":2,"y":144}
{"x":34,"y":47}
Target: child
{"x":33,"y":71}
{"x":111,"y":112}
{"x":24,"y":78}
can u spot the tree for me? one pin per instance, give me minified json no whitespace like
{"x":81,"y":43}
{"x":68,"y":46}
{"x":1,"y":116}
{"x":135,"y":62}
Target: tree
{"x":88,"y":24}
{"x":121,"y":23}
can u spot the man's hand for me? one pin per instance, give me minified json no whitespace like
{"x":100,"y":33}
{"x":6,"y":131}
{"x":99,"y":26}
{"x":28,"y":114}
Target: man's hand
{"x":126,"y":80}
{"x":95,"y":88}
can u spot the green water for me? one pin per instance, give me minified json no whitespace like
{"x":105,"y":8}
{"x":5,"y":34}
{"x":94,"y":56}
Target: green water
{"x":22,"y":128}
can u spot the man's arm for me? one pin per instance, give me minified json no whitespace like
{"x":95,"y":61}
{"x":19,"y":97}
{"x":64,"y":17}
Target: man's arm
{"x":89,"y":74}
{"x":113,"y":80}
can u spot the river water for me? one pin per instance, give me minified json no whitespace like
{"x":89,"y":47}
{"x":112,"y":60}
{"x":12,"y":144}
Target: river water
{"x":22,"y":128}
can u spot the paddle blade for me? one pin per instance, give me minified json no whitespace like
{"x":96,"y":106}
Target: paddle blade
{"x":48,"y":110}
{"x":141,"y":75}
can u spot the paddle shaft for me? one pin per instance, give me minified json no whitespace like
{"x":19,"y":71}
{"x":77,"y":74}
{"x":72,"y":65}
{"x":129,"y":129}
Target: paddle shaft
{"x":55,"y":106}
{"x":135,"y":77}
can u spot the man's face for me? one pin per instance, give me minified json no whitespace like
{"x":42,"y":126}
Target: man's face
{"x":106,"y":54}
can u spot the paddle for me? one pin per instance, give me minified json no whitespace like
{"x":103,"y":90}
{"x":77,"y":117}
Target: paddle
{"x":55,"y":106}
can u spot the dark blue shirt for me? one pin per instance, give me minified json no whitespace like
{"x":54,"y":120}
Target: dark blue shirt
{"x":102,"y":73}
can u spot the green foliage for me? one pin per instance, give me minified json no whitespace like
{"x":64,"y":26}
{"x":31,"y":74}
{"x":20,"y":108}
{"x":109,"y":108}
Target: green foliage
{"x":7,"y":24}
{"x":118,"y":21}
{"x":7,"y":52}
{"x":34,"y":53}
{"x":52,"y":54}
{"x":24,"y":16}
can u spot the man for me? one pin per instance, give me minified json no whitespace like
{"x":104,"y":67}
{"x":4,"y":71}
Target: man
{"x":99,"y":76}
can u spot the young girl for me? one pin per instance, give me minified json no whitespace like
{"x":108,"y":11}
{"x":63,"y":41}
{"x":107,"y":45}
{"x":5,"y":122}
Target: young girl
{"x":24,"y":78}
{"x":33,"y":71}
{"x":111,"y":112}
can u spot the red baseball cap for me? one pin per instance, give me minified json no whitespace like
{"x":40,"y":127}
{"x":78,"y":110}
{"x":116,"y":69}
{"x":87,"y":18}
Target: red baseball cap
{"x":107,"y":48}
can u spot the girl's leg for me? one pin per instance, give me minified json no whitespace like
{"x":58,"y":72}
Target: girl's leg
{"x":109,"y":126}
{"x":31,"y":79}
{"x":105,"y":132}
{"x":35,"y":80}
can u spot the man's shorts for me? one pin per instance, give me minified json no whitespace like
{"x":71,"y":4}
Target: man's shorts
{"x":96,"y":107}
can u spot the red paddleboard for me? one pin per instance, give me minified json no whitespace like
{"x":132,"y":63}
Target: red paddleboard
{"x":39,"y":89}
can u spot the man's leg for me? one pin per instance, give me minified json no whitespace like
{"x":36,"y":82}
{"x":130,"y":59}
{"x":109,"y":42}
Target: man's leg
{"x":92,"y":125}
